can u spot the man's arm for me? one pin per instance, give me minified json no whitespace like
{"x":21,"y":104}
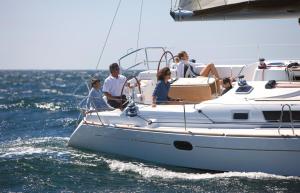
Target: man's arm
{"x":110,"y":97}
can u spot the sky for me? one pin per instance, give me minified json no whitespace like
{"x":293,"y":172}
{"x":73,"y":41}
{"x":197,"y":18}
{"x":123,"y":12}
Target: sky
{"x":69,"y":34}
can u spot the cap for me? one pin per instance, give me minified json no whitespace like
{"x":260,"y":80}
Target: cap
{"x":94,"y":81}
{"x":261,"y":59}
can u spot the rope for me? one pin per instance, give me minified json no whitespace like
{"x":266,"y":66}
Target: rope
{"x":108,"y":34}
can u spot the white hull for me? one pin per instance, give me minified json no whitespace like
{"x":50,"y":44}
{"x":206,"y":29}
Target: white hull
{"x":252,"y":130}
{"x":275,"y":155}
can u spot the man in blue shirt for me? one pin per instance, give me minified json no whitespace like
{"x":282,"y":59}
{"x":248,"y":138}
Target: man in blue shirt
{"x":95,"y":100}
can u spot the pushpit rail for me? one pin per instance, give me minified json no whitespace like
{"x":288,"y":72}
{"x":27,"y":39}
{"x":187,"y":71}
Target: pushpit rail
{"x":146,"y":60}
{"x":290,"y":115}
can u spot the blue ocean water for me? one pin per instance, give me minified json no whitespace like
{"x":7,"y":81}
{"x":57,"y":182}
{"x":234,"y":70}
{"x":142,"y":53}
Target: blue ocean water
{"x":38,"y":113}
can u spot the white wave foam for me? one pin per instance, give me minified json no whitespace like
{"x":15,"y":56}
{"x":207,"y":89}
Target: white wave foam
{"x":80,"y":163}
{"x":15,"y":105}
{"x":3,"y":106}
{"x":49,"y":106}
{"x":43,"y":146}
{"x":27,"y":92}
{"x":53,"y":91}
{"x":36,"y":140}
{"x":3,"y":90}
{"x":157,"y":172}
{"x":66,"y":121}
{"x":31,"y":146}
{"x":21,"y":151}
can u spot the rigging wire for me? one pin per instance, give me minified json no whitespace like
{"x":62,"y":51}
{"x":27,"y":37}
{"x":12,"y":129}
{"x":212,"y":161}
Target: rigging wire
{"x":140,"y":22}
{"x":139,"y":30}
{"x":175,"y":4}
{"x":102,"y":51}
{"x":108,"y":34}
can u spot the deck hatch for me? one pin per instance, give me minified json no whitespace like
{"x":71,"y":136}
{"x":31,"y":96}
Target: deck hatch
{"x":183,"y":145}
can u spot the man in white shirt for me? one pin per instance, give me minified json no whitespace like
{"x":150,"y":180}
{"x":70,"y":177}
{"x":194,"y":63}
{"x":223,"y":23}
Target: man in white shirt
{"x":112,"y":87}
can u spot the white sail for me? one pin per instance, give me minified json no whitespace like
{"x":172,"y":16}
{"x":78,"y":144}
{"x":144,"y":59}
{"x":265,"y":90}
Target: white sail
{"x":193,"y":5}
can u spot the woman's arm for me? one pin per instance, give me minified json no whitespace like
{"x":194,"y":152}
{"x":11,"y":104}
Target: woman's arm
{"x":153,"y":101}
{"x":171,"y":99}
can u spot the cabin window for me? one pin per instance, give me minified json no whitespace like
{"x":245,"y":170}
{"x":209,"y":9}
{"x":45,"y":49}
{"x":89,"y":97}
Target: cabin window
{"x":274,"y":116}
{"x":240,"y":116}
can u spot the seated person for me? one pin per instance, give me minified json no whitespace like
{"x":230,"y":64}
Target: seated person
{"x":112,"y":87}
{"x":185,"y":70}
{"x":174,"y":65}
{"x":95,"y":100}
{"x":226,"y":85}
{"x":161,"y":91}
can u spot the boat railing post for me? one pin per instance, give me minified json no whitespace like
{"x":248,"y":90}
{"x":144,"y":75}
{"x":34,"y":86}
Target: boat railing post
{"x":184,"y":117}
{"x":291,"y":75}
{"x":215,"y":83}
{"x":97,"y":113}
{"x":147,"y":59}
{"x":218,"y":93}
{"x":291,"y":117}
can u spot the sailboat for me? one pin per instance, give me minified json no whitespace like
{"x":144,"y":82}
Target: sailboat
{"x":186,"y":10}
{"x":254,"y":127}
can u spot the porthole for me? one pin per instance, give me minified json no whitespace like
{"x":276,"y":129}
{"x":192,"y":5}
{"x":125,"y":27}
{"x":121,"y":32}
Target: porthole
{"x":183,"y":145}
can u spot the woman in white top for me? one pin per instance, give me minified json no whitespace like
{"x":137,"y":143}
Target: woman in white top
{"x":185,"y":70}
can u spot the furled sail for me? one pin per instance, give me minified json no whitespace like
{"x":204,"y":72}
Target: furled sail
{"x":193,"y":5}
{"x":234,"y":9}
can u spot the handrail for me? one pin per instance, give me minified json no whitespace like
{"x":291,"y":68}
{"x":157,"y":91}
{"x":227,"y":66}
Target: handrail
{"x":85,"y":110}
{"x":146,"y":49}
{"x":164,"y":55}
{"x":135,"y":65}
{"x":291,"y":117}
{"x":185,"y":122}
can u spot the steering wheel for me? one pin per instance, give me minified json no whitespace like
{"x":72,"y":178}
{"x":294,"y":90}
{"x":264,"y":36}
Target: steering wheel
{"x":164,"y":54}
{"x":138,"y":85}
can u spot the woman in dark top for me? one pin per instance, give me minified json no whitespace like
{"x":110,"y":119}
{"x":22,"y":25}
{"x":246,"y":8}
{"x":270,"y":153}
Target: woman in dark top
{"x":226,"y":85}
{"x":161,"y":91}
